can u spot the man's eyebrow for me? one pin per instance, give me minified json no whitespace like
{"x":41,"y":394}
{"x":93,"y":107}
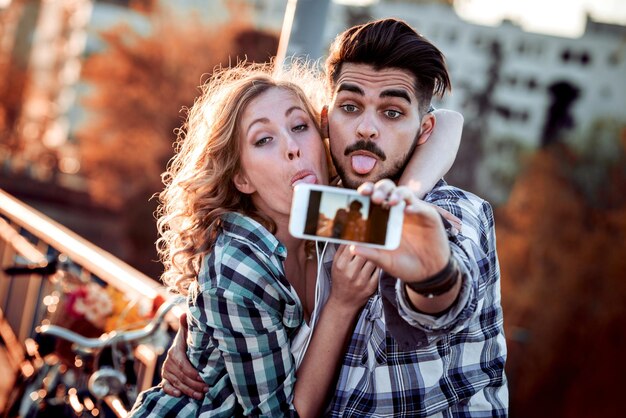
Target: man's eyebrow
{"x":396,"y":93}
{"x":350,"y":87}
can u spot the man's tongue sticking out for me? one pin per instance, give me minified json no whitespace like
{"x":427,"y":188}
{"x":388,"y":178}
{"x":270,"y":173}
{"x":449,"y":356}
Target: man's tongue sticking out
{"x":363,"y":164}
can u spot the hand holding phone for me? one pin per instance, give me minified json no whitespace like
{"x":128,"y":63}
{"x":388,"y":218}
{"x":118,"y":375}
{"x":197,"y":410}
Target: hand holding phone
{"x":424,"y":246}
{"x":344,"y":216}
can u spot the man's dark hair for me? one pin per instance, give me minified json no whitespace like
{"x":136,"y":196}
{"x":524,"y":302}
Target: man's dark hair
{"x":391,"y":43}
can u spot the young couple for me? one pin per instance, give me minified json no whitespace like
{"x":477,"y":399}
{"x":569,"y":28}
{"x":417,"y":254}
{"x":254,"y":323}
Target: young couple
{"x":273,"y":329}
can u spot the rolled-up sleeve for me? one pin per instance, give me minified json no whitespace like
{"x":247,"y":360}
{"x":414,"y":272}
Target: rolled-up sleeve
{"x":474,"y":250}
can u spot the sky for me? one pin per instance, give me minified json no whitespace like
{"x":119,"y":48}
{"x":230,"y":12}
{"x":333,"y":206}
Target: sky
{"x":555,"y":17}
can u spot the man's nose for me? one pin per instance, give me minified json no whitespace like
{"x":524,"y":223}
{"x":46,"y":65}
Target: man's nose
{"x":367,"y":129}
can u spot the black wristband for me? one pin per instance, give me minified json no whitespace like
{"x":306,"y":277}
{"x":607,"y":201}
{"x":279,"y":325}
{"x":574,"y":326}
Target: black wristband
{"x":439,"y":283}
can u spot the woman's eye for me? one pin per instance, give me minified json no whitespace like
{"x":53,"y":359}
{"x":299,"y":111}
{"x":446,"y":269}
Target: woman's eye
{"x":349,"y":108}
{"x":262,"y":141}
{"x":300,"y":128}
{"x":392,"y":114}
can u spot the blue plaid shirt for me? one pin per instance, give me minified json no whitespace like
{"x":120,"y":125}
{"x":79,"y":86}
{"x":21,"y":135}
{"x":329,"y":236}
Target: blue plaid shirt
{"x":243,"y":314}
{"x":402,"y":363}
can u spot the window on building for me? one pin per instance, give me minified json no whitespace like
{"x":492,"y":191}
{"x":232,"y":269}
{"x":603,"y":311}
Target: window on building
{"x":539,"y":48}
{"x":503,"y":111}
{"x":524,"y":116}
{"x":532,"y":84}
{"x":123,"y":3}
{"x":566,"y":55}
{"x":585,"y":58}
{"x":452,"y":35}
{"x":613,"y":58}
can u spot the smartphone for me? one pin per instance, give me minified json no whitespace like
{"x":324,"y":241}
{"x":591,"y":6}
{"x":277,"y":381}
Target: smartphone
{"x":344,"y":216}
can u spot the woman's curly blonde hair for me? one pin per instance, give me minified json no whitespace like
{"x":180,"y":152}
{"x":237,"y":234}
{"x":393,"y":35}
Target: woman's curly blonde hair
{"x":198,"y":182}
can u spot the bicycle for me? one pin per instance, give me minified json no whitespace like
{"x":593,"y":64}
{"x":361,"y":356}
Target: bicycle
{"x":101,"y":382}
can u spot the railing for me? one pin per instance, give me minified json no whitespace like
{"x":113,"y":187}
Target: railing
{"x":28,"y":237}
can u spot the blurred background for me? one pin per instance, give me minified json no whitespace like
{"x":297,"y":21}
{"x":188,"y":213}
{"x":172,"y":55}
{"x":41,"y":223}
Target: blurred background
{"x":91,"y":93}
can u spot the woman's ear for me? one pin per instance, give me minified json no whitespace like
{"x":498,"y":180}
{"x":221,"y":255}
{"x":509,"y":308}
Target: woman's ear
{"x":426,"y":128}
{"x":242,"y":183}
{"x":324,"y":121}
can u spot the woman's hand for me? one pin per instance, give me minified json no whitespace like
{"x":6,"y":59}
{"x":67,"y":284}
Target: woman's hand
{"x":354,"y":279}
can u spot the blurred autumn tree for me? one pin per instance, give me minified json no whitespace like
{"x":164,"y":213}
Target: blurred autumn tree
{"x":11,"y":97}
{"x":562,"y":249}
{"x":141,"y":83}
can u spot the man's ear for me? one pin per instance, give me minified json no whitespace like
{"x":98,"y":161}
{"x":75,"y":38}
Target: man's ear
{"x":242,"y":183}
{"x":324,"y":121}
{"x":426,"y":128}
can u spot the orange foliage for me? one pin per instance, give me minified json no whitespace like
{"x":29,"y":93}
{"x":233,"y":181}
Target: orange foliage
{"x":141,"y":84}
{"x":563,"y":262}
{"x":12,"y":85}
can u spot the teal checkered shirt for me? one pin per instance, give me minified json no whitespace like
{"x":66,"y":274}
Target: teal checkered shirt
{"x":243,"y":313}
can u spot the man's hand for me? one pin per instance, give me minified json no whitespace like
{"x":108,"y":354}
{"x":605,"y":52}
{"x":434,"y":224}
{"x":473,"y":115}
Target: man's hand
{"x":178,"y":375}
{"x":424,"y":248}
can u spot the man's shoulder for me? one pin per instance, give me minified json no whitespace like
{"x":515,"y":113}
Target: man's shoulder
{"x":468,"y":207}
{"x":444,"y":192}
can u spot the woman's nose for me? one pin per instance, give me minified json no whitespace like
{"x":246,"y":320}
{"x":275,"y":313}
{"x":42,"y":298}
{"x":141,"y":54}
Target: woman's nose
{"x":293,"y":150}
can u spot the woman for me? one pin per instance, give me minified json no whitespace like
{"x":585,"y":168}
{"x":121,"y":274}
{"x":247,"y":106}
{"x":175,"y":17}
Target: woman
{"x":248,"y":140}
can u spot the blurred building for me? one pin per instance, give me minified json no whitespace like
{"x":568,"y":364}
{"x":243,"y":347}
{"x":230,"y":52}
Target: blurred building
{"x":540,"y":83}
{"x":517,"y":90}
{"x":511,"y":85}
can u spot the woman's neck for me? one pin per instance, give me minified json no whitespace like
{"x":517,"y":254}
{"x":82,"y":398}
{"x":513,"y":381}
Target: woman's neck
{"x":282,"y":234}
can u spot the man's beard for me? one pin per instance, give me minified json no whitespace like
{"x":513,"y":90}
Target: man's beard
{"x":394,"y":173}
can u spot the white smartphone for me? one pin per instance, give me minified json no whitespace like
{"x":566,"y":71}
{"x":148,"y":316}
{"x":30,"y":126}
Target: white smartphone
{"x":344,"y":216}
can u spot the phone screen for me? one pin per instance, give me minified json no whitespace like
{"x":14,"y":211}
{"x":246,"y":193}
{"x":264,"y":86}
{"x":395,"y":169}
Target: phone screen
{"x":346,"y":217}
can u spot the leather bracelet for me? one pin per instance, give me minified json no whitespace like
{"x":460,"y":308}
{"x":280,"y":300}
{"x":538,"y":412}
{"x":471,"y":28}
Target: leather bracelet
{"x":439,"y":283}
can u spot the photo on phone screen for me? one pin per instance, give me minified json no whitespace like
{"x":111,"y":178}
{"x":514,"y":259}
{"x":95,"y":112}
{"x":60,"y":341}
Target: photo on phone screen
{"x":345,"y":217}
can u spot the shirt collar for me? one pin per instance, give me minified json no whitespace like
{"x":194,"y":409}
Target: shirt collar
{"x":245,"y":228}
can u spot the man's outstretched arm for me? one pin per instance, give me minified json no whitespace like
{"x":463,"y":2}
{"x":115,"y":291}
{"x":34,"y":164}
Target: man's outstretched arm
{"x":424,"y":249}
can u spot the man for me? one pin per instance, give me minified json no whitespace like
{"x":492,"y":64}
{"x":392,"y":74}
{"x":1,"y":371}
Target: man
{"x":430,"y":342}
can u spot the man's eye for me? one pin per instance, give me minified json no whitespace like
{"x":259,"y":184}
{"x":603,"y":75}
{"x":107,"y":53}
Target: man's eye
{"x":392,"y":114}
{"x":349,"y":108}
{"x":262,"y":141}
{"x":300,"y":128}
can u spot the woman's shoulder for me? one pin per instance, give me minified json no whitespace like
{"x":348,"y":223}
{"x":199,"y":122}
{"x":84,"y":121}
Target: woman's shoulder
{"x":244,"y":260}
{"x":245,"y":231}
